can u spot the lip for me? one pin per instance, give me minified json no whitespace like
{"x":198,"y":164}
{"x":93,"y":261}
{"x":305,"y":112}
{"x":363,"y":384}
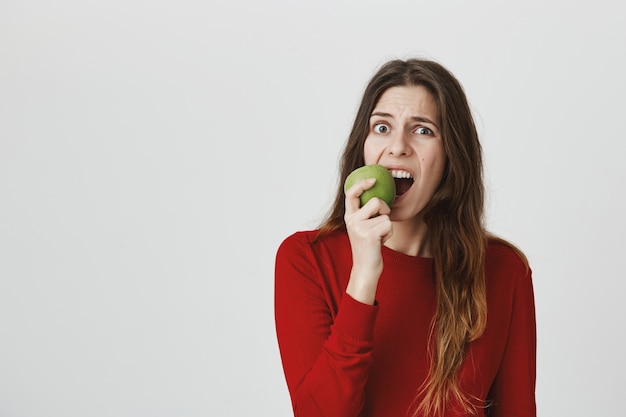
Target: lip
{"x":398,"y":199}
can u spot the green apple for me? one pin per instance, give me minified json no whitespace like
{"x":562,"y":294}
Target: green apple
{"x":384,"y":188}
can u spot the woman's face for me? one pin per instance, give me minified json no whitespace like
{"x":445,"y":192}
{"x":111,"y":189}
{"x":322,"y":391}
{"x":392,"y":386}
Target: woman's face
{"x":404,"y":136}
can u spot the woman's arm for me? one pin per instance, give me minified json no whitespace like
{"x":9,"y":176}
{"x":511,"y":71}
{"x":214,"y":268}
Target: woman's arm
{"x":326,"y":363}
{"x":513,"y":390}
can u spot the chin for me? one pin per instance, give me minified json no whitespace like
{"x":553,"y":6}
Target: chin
{"x":406,"y":212}
{"x":399,"y":215}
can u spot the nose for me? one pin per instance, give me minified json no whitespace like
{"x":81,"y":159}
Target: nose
{"x":398,"y":145}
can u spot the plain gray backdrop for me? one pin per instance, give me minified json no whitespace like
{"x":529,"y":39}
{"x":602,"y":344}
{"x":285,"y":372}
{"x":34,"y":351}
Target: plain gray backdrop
{"x":154,"y":154}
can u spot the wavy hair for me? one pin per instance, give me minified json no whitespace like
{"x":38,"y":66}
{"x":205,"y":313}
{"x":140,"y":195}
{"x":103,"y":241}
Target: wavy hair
{"x":454,"y":219}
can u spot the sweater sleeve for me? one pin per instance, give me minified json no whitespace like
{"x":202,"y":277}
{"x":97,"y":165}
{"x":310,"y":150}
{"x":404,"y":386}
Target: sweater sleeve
{"x":513,"y":390}
{"x":325,"y":361}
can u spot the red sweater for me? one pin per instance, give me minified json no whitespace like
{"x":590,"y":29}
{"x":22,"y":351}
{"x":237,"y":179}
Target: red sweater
{"x":344,"y":358}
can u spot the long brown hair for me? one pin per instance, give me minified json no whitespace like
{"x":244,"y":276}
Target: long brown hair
{"x":454,"y":218}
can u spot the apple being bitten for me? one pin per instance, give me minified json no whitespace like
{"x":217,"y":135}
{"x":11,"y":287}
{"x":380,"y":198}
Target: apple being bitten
{"x":384,"y":187}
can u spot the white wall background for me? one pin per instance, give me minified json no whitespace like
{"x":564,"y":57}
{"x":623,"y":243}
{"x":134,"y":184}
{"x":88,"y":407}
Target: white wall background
{"x":153,"y":154}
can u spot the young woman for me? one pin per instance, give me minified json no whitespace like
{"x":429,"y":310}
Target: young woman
{"x":413,"y":309}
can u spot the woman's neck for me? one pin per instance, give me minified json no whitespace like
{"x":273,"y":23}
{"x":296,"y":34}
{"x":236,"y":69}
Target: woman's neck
{"x":409,"y":237}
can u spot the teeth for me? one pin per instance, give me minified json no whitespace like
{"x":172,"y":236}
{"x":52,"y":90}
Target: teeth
{"x":396,"y":173}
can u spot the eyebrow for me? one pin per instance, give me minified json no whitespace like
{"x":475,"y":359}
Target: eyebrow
{"x":414,"y":118}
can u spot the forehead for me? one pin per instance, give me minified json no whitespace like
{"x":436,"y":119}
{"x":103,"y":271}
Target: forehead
{"x":414,"y":99}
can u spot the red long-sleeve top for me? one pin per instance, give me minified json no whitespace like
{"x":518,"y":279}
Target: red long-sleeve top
{"x":344,"y":358}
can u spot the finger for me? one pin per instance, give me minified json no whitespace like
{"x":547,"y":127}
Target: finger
{"x":381,"y":227}
{"x":388,"y":234}
{"x":372,"y":230}
{"x":353,"y":203}
{"x":375,"y":207}
{"x":371,"y":209}
{"x":383,"y":207}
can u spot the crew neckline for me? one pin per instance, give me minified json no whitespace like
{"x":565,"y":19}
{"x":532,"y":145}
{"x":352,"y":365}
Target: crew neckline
{"x":406,"y":259}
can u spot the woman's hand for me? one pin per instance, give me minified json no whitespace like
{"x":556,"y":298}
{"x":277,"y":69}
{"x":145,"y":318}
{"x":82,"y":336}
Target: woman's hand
{"x":368,"y":228}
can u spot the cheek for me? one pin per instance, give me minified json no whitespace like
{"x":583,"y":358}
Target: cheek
{"x":370,"y":153}
{"x":435,"y":163}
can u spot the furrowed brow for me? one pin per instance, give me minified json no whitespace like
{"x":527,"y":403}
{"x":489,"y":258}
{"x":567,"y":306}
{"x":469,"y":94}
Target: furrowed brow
{"x":420,"y":119}
{"x":424,"y":120}
{"x":380,"y":114}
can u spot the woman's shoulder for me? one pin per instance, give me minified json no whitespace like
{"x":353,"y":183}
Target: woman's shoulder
{"x":315,"y":237}
{"x":501,"y":249}
{"x":301,"y":236}
{"x":503,"y":257}
{"x":318,"y":257}
{"x":299,"y":239}
{"x":310,"y":240}
{"x":508,"y":277}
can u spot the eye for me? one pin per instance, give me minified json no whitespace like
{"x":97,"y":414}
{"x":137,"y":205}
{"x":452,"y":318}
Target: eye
{"x":381,"y":128}
{"x":423,"y":131}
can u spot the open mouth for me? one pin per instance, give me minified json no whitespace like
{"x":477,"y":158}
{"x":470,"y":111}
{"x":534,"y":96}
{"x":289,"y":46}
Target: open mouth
{"x":403,"y":179}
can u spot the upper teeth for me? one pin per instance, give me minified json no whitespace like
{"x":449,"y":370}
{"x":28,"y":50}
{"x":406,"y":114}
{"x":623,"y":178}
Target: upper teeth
{"x":397,"y":173}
